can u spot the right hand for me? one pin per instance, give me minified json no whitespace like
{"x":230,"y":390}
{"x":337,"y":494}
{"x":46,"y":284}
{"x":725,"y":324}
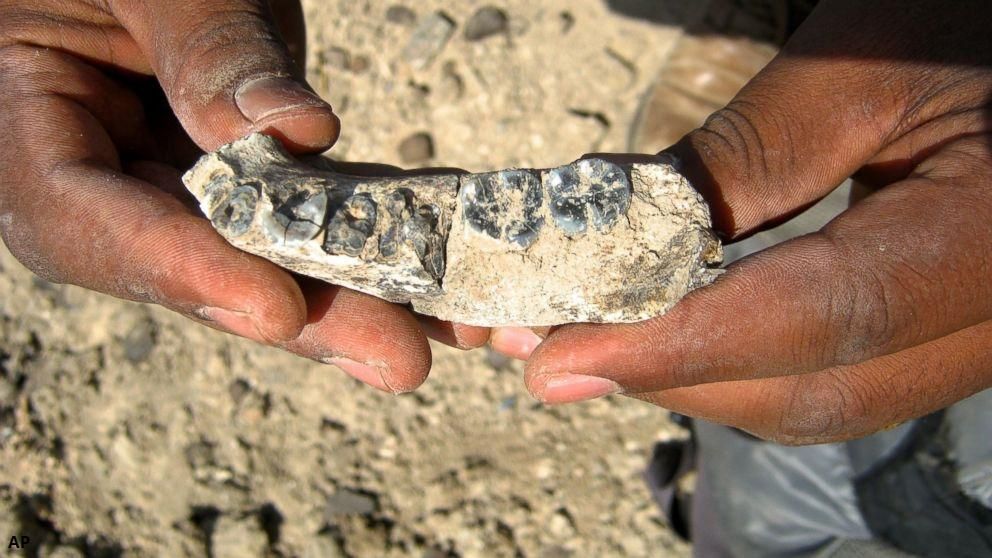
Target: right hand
{"x":105,"y":101}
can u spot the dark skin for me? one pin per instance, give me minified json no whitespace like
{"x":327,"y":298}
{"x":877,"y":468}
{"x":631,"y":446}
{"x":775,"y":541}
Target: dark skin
{"x":882,"y":316}
{"x":107,"y":101}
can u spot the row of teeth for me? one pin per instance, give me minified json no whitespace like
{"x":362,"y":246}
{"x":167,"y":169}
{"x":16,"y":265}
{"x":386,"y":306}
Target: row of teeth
{"x":505,"y":205}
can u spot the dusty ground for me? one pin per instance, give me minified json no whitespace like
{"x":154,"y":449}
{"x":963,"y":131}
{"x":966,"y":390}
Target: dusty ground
{"x":124,"y":428}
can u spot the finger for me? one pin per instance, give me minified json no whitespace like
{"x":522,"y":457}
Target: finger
{"x":846,"y":402}
{"x":27,"y":71}
{"x":903,"y":267}
{"x":517,"y":342}
{"x":70,"y":217}
{"x":227,"y":72}
{"x":79,"y":28}
{"x":459,"y":336}
{"x":817,"y":112}
{"x":372,"y":340}
{"x":165,"y":178}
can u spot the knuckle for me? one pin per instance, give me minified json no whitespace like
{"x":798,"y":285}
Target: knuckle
{"x":16,"y":23}
{"x":964,"y":162}
{"x":859,"y":318}
{"x":241,"y":41}
{"x":748,"y":148}
{"x":820,"y":411}
{"x":23,"y":245}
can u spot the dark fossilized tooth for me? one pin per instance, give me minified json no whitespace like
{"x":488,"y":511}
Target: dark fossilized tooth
{"x":504,"y":205}
{"x":568,"y":205}
{"x":350,"y":226}
{"x":609,"y":192}
{"x":421,"y":231}
{"x":302,"y":215}
{"x":480,"y":206}
{"x":399,"y":206}
{"x":589,"y":190}
{"x":236,"y":213}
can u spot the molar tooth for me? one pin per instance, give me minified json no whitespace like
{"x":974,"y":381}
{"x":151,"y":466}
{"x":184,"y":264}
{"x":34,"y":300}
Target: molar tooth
{"x":504,"y":205}
{"x":236,"y":213}
{"x":421,"y":232}
{"x":568,"y":208}
{"x":352,"y":224}
{"x":608,"y":194}
{"x":303,"y":216}
{"x":479,"y":202}
{"x":589,"y":190}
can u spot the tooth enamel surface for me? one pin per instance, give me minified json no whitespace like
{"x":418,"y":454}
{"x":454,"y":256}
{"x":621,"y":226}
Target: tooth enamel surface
{"x":587,"y":242}
{"x":504,"y":205}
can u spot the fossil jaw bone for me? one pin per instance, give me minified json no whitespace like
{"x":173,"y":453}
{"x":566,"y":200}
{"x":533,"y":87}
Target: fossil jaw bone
{"x":592,"y":241}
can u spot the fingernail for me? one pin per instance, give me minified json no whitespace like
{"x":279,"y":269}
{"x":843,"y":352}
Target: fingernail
{"x":365,"y":373}
{"x":571,"y":388}
{"x":515,"y":342}
{"x":266,"y":97}
{"x":238,"y":323}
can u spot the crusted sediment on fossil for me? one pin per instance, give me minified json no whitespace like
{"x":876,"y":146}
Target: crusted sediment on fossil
{"x":592,"y":241}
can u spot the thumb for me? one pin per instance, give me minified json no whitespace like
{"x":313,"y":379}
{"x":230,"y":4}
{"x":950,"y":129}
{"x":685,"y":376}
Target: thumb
{"x":815,"y":115}
{"x":227,"y":72}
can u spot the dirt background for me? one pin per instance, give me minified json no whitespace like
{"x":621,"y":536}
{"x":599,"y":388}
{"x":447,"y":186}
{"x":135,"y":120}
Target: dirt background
{"x":125,"y":429}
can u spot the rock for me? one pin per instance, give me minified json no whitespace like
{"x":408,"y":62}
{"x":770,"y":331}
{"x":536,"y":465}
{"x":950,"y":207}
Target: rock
{"x":497,"y":361}
{"x":336,"y":57}
{"x":342,"y":59}
{"x":451,"y":86}
{"x":401,"y":15}
{"x":486,"y":22}
{"x":359,"y":63}
{"x":351,"y":502}
{"x":417,"y":148}
{"x":140,"y":341}
{"x":593,"y":241}
{"x":428,"y":40}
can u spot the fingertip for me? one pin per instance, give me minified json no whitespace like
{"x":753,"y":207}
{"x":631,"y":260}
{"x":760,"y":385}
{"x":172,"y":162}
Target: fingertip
{"x":302,"y":129}
{"x":459,"y":336}
{"x":515,"y":342}
{"x":372,"y":374}
{"x":374,"y":341}
{"x":289,"y":111}
{"x":272,"y":317}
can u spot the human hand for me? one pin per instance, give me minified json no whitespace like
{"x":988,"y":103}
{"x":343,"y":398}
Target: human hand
{"x":106,"y":100}
{"x":883,"y":315}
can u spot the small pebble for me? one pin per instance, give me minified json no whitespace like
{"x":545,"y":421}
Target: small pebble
{"x":351,"y":502}
{"x":486,"y":22}
{"x":567,"y":21}
{"x":497,"y":361}
{"x":359,"y":63}
{"x":341,"y":59}
{"x":337,"y":57}
{"x":418,"y":148}
{"x":401,"y":15}
{"x":140,"y":341}
{"x":451,"y":86}
{"x":238,"y":389}
{"x":508,"y":403}
{"x":428,"y":40}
